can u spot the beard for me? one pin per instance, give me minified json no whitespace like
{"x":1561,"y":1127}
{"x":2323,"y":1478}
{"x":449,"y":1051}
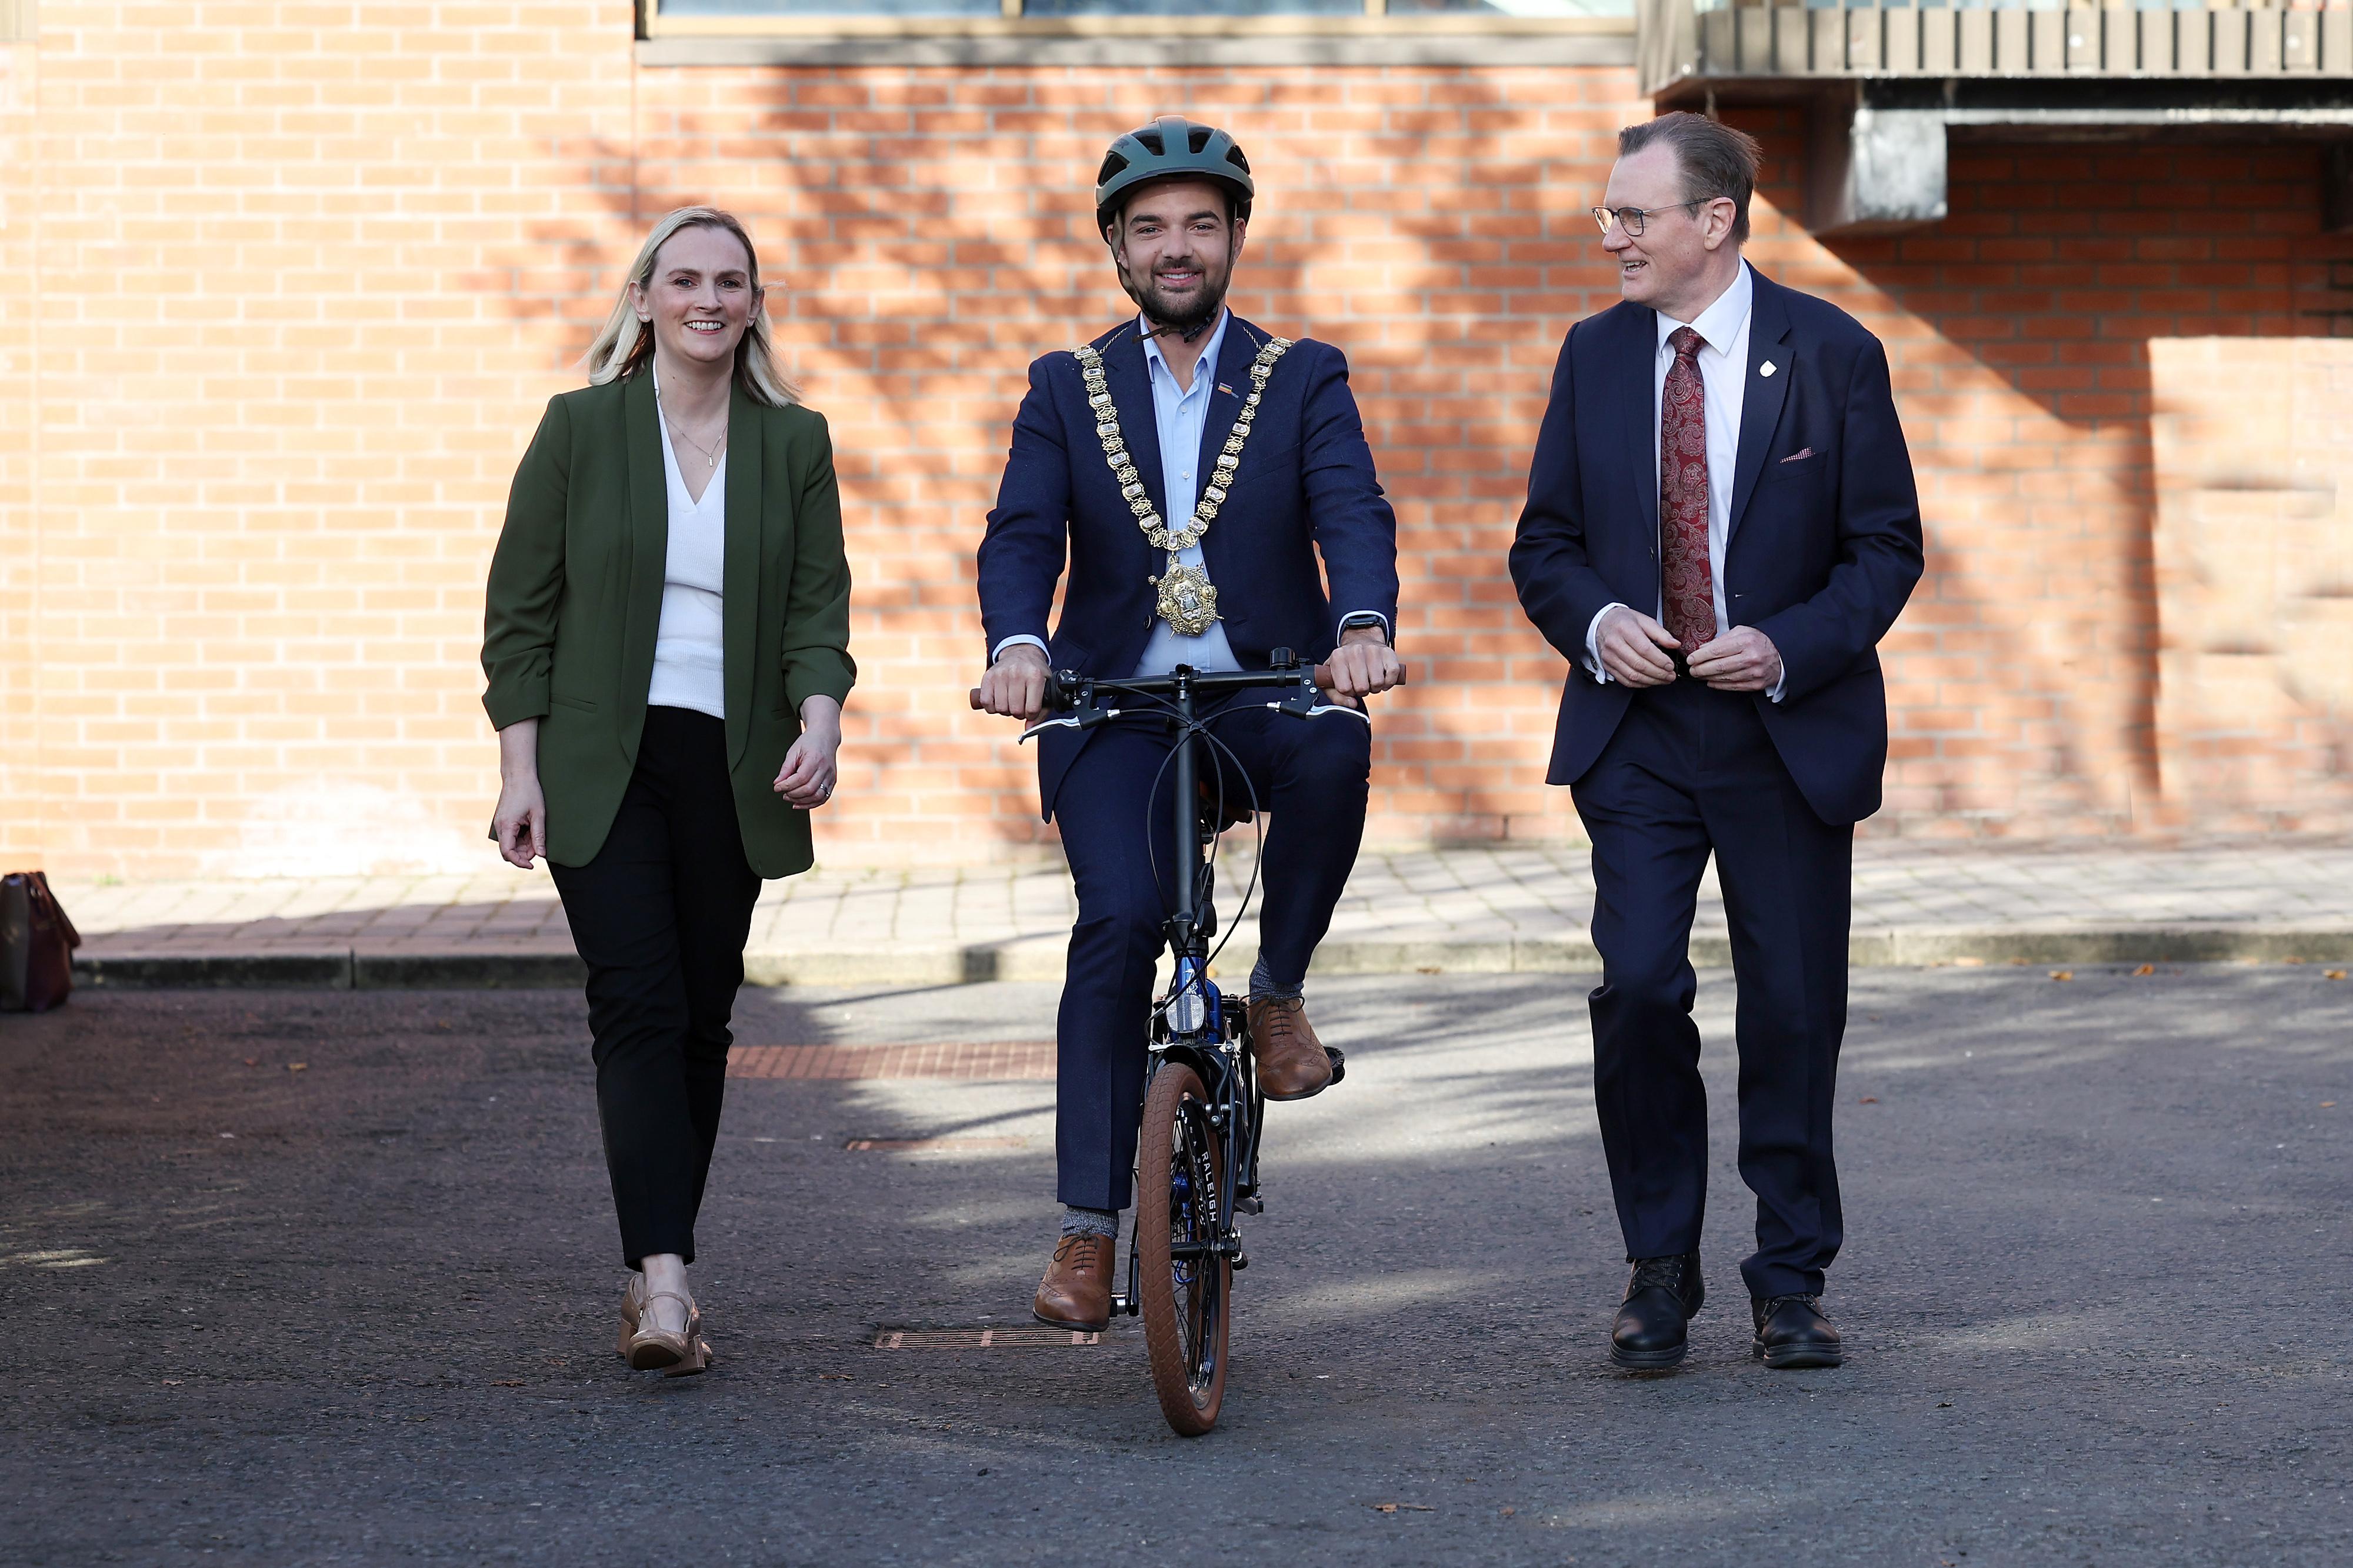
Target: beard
{"x":1186,"y":315}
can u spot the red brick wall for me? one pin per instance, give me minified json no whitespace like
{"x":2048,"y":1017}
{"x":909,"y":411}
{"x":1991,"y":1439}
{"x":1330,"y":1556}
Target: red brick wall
{"x":294,"y":270}
{"x":2025,"y":678}
{"x":302,"y":282}
{"x":934,"y":228}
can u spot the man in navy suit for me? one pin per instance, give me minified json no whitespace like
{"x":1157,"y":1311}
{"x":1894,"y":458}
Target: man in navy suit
{"x":1721,"y":525}
{"x":1188,"y":468}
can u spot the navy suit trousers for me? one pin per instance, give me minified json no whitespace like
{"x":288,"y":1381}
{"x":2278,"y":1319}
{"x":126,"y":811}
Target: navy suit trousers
{"x":1311,"y":776}
{"x":1692,"y":771}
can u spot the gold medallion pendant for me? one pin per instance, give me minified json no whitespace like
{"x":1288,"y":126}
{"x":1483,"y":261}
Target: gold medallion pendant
{"x":1186,"y":597}
{"x":1187,"y":600}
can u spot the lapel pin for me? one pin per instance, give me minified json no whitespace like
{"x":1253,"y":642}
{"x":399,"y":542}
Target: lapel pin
{"x":1224,"y":388}
{"x":1764,"y":369}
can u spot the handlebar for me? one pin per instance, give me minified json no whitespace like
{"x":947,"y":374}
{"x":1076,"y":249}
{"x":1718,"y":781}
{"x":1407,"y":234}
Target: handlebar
{"x":1065,"y":686}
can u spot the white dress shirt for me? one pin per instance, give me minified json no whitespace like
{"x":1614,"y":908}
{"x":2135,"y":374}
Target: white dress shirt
{"x":1722,"y":361}
{"x":1180,"y":415}
{"x":690,"y":661}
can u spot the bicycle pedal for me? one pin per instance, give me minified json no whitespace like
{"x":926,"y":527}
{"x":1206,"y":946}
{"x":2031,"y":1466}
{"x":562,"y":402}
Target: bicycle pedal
{"x":1251,"y":1205}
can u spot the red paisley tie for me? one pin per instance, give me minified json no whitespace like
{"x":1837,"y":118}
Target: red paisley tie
{"x":1688,"y":596}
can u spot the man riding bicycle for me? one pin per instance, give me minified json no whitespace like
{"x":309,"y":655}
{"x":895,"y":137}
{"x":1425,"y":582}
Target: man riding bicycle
{"x":1189,"y":467}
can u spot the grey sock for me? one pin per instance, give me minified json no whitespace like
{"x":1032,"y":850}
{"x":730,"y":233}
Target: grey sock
{"x":1077,"y":1221}
{"x":1263,"y":984}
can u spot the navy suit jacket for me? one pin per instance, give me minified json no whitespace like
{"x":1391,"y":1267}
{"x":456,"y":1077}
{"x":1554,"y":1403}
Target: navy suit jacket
{"x":1824,"y":543}
{"x":1305,"y":484}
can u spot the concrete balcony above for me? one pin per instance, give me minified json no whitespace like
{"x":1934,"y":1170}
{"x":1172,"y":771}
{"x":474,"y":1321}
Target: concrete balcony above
{"x":1884,"y":85}
{"x":1687,"y":45}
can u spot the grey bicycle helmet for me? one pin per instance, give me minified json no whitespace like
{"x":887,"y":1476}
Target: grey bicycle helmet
{"x":1171,"y":144}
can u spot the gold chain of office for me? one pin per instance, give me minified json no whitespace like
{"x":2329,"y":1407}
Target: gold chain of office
{"x":1186,"y":600}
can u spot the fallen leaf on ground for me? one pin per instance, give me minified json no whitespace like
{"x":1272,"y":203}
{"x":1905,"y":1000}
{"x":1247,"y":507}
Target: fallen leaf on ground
{"x":2146,"y":969}
{"x":506,"y":1383}
{"x":2062,"y":975}
{"x":253,"y":1061}
{"x":2332,"y":974}
{"x":1868,"y":1099}
{"x":1509,"y":1511}
{"x":835,"y":1377}
{"x":2327,"y":1105}
{"x":298,"y":1066}
{"x":1970,"y":963}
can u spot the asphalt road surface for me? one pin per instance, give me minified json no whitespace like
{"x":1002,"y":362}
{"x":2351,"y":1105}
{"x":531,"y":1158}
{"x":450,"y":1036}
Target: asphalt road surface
{"x":2095,"y":1292}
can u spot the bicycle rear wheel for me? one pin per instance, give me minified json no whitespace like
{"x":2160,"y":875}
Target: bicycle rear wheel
{"x":1187,"y":1287}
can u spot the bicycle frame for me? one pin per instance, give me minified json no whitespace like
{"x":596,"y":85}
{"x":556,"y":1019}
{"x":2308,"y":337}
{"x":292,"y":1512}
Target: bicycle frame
{"x":1191,"y":1022}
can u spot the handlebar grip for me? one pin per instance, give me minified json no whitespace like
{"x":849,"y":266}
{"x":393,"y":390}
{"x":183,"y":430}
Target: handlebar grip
{"x":1322,"y":675}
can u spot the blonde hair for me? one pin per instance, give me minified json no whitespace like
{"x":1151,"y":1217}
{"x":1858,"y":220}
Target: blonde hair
{"x":625,"y":347}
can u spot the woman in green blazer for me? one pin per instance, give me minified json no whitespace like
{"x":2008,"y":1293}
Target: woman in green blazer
{"x":667,"y":644}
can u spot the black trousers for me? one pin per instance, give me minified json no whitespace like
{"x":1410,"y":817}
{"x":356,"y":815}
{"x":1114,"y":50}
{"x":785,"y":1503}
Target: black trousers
{"x":1311,"y":776}
{"x":660,"y":916}
{"x":1692,"y":771}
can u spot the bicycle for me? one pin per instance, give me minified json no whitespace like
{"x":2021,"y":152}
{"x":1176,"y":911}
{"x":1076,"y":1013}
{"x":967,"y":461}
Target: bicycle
{"x":1197,"y":1151}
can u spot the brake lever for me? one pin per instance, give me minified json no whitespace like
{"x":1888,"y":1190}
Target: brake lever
{"x":1086,"y":720}
{"x":1301,"y":703}
{"x":1321,"y":709}
{"x":1306,"y":701}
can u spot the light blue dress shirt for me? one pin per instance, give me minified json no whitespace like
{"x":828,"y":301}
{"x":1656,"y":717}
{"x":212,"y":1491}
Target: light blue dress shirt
{"x":1180,"y":415}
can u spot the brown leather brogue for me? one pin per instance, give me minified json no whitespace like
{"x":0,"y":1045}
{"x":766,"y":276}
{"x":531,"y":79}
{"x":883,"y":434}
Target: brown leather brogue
{"x":1076,"y":1291}
{"x":1290,"y":1060}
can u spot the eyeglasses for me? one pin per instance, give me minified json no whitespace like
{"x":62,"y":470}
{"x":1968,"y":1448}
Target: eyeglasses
{"x":1631,"y":219}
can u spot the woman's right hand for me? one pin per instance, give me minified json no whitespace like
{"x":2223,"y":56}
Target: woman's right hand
{"x":522,"y":820}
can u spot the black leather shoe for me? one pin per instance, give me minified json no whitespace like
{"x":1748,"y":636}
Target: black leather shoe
{"x":1661,"y":1295}
{"x":1791,"y":1332}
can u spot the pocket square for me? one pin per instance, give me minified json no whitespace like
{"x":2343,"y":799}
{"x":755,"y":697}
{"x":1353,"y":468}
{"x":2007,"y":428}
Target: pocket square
{"x":1797,"y":457}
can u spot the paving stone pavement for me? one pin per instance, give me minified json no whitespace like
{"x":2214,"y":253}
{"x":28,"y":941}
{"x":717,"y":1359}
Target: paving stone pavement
{"x":1483,"y":908}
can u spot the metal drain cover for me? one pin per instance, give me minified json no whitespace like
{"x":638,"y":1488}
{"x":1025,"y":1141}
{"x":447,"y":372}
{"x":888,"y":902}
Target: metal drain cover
{"x":1027,"y":1336}
{"x":930,"y":1145}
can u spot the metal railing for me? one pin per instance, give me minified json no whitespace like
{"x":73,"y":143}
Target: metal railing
{"x":1693,"y":40}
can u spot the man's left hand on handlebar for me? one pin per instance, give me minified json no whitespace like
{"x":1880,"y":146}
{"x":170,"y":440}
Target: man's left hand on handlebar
{"x":1362,"y":664}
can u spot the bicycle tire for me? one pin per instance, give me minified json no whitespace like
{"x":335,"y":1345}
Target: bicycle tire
{"x":1186,"y":1301}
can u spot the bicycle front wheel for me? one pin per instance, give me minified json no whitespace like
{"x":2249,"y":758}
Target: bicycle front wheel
{"x":1186,"y":1285}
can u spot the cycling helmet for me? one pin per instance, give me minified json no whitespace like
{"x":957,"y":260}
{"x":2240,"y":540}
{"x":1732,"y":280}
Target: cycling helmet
{"x":1171,"y":144}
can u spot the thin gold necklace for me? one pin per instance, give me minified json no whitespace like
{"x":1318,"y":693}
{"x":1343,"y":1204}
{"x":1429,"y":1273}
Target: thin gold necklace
{"x":710,"y":454}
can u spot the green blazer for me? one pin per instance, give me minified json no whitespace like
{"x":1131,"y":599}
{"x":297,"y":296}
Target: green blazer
{"x":576,"y":594}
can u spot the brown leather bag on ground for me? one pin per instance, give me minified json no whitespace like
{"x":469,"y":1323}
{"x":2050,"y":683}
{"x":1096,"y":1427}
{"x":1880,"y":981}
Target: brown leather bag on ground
{"x":37,"y":944}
